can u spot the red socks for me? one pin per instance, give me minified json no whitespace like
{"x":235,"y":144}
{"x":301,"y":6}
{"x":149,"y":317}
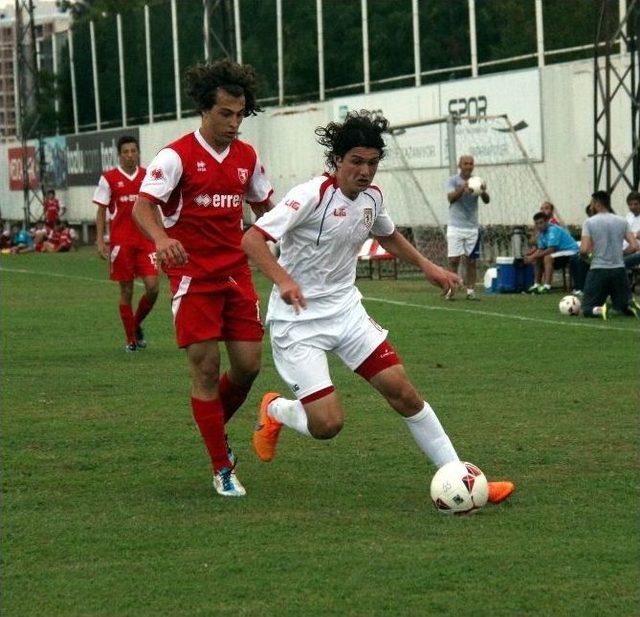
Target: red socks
{"x":128,"y":321}
{"x":231,"y":396}
{"x":144,"y":307}
{"x":210,"y":420}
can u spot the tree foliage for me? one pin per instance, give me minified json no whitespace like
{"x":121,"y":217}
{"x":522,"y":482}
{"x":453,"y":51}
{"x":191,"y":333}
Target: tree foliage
{"x":505,"y":28}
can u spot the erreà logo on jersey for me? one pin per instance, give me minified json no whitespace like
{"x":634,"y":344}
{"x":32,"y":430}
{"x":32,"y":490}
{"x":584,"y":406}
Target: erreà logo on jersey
{"x":218,"y":201}
{"x":243,"y":174}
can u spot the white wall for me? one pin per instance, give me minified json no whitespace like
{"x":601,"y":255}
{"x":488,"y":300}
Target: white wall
{"x":285,"y":139}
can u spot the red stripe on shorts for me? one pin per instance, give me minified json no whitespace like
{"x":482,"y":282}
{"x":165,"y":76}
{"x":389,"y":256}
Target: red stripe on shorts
{"x":314,"y":396}
{"x":383,"y":356}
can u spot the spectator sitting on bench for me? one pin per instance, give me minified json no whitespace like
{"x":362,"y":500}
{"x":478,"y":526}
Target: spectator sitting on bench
{"x":555,"y":249}
{"x":632,"y":258}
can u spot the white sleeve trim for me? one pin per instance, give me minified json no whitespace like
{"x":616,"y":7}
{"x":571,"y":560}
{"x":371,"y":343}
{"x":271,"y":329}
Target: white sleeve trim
{"x":102,"y":194}
{"x":163,"y":174}
{"x":258,"y":188}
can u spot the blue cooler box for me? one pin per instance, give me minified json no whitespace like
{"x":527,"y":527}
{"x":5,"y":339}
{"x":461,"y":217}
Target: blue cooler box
{"x":514,"y":275}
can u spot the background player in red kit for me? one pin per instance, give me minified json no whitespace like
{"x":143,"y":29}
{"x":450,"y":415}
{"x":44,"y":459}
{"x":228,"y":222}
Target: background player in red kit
{"x":201,"y":181}
{"x":130,"y":253}
{"x":52,"y":209}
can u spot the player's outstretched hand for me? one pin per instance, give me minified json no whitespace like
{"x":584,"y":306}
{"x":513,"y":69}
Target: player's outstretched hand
{"x":171,"y":252}
{"x":446,"y":280}
{"x":292,"y":294}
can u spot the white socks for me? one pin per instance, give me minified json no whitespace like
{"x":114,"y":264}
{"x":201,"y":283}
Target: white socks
{"x":424,"y":426}
{"x":430,"y":436}
{"x":291,"y":414}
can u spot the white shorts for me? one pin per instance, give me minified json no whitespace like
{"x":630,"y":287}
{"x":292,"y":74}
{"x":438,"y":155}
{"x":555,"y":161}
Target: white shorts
{"x":463,"y":242}
{"x":299,"y":348}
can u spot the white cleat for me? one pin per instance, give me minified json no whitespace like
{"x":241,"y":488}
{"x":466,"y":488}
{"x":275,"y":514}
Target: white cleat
{"x":227,"y":484}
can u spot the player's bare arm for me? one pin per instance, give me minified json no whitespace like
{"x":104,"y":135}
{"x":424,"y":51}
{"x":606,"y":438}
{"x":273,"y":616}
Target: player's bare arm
{"x":631,"y":239}
{"x":101,"y":225}
{"x":399,"y":246}
{"x":147,"y":217}
{"x":255,"y":246}
{"x":586,"y":245}
{"x":457,"y":194}
{"x":260,"y":209}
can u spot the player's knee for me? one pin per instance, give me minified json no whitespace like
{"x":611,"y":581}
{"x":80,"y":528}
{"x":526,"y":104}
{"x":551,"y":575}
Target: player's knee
{"x":404,"y":398}
{"x":326,"y":428}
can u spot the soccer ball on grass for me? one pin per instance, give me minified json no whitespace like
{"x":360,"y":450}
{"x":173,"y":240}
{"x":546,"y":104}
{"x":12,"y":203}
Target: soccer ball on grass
{"x":570,"y":305}
{"x":459,"y":488}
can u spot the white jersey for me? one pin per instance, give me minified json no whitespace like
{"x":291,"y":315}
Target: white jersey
{"x":321,"y":232}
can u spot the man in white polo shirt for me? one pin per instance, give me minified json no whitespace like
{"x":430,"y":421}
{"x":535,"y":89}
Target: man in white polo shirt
{"x":632,"y":258}
{"x":463,"y":233}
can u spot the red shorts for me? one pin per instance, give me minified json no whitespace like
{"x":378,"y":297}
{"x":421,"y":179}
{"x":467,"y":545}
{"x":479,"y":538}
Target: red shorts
{"x":129,"y":262}
{"x":222,"y":309}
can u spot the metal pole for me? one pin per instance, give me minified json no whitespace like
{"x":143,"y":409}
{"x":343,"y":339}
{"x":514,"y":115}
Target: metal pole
{"x":205,"y":29}
{"x":39,"y":54}
{"x":176,"y":58}
{"x":147,"y":46}
{"x":622,"y":11}
{"x":54,"y":58}
{"x":472,"y":38}
{"x":236,"y":23}
{"x":416,"y":42}
{"x":94,"y":68}
{"x":320,"y":26}
{"x":451,"y":144}
{"x":72,"y":70}
{"x":16,"y":87}
{"x":123,"y":92}
{"x":280,"y":53}
{"x":540,"y":33}
{"x":365,"y":45}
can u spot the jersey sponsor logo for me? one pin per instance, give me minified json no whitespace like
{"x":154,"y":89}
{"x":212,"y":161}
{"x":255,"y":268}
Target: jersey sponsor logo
{"x":368,"y":217}
{"x":125,"y":198}
{"x":340,"y":211}
{"x":218,"y":201}
{"x":294,"y":205}
{"x":157,"y":173}
{"x":243,"y":174}
{"x":201,"y":166}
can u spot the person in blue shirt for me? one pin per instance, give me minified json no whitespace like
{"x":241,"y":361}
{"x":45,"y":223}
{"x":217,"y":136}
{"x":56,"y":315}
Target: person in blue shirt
{"x":555,"y":249}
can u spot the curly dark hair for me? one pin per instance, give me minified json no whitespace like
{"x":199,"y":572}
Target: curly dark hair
{"x":203,"y":81}
{"x":359,"y":129}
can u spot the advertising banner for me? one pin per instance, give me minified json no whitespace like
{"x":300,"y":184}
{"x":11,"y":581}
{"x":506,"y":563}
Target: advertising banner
{"x":89,"y":154}
{"x":16,"y":179}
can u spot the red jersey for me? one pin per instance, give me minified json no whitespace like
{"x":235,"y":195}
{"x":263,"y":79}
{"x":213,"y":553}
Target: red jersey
{"x":61,"y":239}
{"x":117,"y":190}
{"x":201,"y":193}
{"x":51,"y":209}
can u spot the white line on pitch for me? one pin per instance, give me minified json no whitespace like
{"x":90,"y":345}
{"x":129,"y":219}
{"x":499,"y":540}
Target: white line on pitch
{"x":572,"y":323}
{"x":58,"y":275}
{"x":425,"y":307}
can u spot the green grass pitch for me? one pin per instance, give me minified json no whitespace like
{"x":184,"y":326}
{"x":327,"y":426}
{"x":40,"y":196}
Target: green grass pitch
{"x":108,"y":509}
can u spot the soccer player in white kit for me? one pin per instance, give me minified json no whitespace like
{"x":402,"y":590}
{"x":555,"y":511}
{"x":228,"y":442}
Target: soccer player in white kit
{"x":315,"y":306}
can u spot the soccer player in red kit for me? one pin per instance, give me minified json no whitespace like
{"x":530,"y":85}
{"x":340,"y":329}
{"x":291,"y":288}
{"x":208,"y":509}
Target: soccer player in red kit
{"x":52,"y":209}
{"x":200,"y":182}
{"x":130,"y":253}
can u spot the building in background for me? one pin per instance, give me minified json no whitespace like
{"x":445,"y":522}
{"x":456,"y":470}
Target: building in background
{"x":48,"y":21}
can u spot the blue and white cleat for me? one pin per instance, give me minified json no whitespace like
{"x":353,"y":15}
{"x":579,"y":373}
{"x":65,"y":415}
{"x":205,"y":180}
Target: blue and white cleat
{"x":233,"y":459}
{"x":227,"y":484}
{"x":141,"y":343}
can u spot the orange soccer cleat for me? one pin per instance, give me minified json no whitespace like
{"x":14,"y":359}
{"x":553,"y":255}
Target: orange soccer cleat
{"x":499,"y":491}
{"x":265,"y":435}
